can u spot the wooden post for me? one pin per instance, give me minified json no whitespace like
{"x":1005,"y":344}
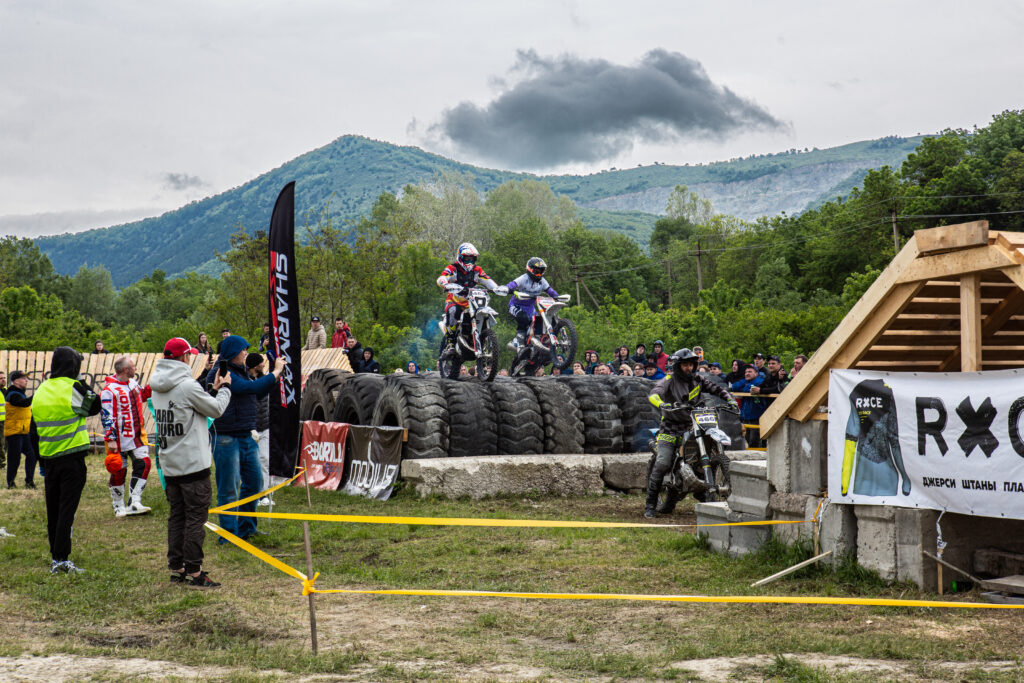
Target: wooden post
{"x":587,"y":289}
{"x":970,"y":322}
{"x":309,"y":569}
{"x":576,"y":276}
{"x":700,"y":277}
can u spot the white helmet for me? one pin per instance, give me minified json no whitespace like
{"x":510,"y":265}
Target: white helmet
{"x":466,"y":255}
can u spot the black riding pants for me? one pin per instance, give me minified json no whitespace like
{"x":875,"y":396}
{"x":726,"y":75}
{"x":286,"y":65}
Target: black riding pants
{"x":666,"y":453}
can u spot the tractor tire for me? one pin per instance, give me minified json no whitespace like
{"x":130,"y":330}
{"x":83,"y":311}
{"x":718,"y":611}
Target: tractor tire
{"x":473,"y":427}
{"x":520,"y":425}
{"x":320,"y":394}
{"x":602,"y":420}
{"x":417,"y":404}
{"x":560,"y":413}
{"x":638,"y":415}
{"x":357,"y":398}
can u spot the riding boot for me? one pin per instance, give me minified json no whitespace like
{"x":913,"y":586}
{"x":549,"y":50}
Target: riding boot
{"x":117,"y":497}
{"x":518,"y":342}
{"x":135,"y":506}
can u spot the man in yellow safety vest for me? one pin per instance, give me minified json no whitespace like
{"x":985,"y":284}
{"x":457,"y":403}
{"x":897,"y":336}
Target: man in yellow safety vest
{"x":60,"y":406}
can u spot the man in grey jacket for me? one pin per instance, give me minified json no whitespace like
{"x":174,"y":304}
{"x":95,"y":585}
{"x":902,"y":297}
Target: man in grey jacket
{"x":183,"y":440}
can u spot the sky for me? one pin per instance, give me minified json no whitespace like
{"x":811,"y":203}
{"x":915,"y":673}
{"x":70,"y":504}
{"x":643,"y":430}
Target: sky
{"x":116,"y":110}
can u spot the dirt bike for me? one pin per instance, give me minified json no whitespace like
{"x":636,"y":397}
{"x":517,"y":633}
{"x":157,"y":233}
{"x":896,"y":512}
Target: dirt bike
{"x":475,"y":338}
{"x":702,"y":448}
{"x":555,"y":343}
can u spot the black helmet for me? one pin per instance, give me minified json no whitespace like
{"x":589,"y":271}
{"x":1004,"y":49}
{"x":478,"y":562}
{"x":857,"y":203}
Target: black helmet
{"x":681,"y":356}
{"x":536,"y":268}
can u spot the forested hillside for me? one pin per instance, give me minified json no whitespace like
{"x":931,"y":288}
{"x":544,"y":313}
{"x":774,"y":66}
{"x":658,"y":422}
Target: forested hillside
{"x":776,"y":284}
{"x":347,"y":175}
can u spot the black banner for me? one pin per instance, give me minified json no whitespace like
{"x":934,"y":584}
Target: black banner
{"x":373,"y":457}
{"x":287,"y":330}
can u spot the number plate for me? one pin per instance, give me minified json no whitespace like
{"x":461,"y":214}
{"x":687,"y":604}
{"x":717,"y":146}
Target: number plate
{"x":706,"y":418}
{"x":545,"y":302}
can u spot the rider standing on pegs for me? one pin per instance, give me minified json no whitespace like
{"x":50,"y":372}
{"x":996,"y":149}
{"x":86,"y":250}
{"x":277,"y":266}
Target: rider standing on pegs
{"x":527,"y":287}
{"x":682,"y":386}
{"x":456,"y":278}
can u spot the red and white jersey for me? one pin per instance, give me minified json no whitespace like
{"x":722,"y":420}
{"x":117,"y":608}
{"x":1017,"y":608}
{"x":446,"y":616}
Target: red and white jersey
{"x":454,"y":273}
{"x":121,"y":413}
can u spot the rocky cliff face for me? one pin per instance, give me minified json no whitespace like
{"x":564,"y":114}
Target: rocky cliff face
{"x":792,"y":191}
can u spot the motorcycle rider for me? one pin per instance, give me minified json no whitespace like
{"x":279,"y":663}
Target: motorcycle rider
{"x":125,"y":437}
{"x":456,"y":279}
{"x":681,"y":386}
{"x":527,"y":287}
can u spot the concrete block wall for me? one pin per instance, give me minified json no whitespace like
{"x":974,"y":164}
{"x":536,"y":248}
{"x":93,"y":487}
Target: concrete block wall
{"x":750,"y":488}
{"x":734,"y":540}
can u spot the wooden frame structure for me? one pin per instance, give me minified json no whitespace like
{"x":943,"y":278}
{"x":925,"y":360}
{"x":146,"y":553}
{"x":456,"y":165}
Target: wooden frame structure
{"x":951,"y":300}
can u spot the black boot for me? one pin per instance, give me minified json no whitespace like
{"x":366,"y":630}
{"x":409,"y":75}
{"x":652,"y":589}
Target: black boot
{"x":649,"y":512}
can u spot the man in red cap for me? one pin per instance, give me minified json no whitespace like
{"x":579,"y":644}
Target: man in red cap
{"x":183,"y":440}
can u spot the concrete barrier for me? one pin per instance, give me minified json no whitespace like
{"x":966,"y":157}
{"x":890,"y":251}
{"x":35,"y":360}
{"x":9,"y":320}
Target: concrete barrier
{"x":483,"y":476}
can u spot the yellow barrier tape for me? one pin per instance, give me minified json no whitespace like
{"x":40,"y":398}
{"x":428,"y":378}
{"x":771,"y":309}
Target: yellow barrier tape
{"x":255,"y":496}
{"x":474,"y":521}
{"x":740,"y":599}
{"x":253,"y":550}
{"x":814,"y":518}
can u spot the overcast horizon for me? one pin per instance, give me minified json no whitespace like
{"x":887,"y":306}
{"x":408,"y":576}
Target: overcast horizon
{"x":113,"y":112}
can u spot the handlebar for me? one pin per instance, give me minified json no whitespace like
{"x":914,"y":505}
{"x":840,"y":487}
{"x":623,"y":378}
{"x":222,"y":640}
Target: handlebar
{"x":564,"y":298}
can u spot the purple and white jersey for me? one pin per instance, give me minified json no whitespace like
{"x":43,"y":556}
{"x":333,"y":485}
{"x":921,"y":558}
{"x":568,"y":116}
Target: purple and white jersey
{"x":526,"y":292}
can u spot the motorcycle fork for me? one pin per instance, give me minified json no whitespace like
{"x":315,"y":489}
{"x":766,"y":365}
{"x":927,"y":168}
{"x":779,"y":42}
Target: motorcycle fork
{"x":705,"y":463}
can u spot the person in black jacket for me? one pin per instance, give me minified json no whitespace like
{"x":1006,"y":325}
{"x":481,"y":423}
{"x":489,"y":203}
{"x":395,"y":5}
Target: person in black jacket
{"x":235,"y":455}
{"x":682,"y":386}
{"x":354,"y":350}
{"x":368,"y":364}
{"x":254,"y":364}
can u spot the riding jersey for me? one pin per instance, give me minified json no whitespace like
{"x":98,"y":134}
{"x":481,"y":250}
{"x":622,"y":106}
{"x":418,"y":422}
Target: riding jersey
{"x":679,"y":390}
{"x":526,"y":292}
{"x":872,"y":440}
{"x":453,"y":273}
{"x":121,"y":415}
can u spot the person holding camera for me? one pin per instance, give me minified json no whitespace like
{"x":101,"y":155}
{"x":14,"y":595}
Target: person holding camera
{"x":181,"y":406}
{"x":235,"y":454}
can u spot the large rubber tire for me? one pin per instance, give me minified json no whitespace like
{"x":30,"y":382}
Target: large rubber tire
{"x":357,"y":398}
{"x":320,"y":394}
{"x":520,"y":425}
{"x":560,"y":413}
{"x":473,"y":428}
{"x":565,"y":330}
{"x":602,"y":420}
{"x":639,"y":417}
{"x":417,"y":404}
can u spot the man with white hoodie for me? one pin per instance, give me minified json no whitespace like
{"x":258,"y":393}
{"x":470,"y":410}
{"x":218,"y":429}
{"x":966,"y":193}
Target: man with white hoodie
{"x":183,"y":440}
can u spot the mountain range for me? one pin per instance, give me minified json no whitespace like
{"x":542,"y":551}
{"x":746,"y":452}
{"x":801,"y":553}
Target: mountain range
{"x":351,"y":172}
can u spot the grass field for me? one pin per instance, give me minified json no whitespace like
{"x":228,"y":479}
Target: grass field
{"x":123,"y":619}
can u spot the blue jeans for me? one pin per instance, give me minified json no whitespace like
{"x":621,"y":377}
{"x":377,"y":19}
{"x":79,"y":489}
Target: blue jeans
{"x":236,"y":461}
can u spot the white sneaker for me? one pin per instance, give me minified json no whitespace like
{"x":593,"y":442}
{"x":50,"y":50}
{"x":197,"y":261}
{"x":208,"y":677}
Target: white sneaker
{"x":65,"y":567}
{"x":263,"y":502}
{"x":136,"y":508}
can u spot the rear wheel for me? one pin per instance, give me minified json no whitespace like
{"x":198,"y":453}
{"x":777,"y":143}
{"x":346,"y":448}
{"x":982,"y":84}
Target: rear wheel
{"x":487,"y":359}
{"x":564,"y":332}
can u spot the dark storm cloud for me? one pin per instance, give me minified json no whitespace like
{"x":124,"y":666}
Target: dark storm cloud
{"x":566,"y":109}
{"x":182,"y":181}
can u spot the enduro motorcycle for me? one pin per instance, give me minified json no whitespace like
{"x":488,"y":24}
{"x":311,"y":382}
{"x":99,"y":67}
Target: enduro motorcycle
{"x":702,"y":448}
{"x":475,"y":338}
{"x":555,"y":343}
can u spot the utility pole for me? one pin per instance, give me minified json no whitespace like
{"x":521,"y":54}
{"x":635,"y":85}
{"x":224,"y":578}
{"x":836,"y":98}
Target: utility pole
{"x":668,"y":264}
{"x":576,"y":277}
{"x":700,"y":278}
{"x":895,"y":229}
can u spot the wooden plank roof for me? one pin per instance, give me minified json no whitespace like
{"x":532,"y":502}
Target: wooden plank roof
{"x":910,"y":317}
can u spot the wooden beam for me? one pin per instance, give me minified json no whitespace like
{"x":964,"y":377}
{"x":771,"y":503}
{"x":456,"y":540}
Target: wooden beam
{"x":993,"y":322}
{"x":950,"y":237}
{"x":989,"y":257}
{"x":970,"y":322}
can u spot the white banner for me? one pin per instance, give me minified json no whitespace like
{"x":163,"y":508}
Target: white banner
{"x":943,"y":441}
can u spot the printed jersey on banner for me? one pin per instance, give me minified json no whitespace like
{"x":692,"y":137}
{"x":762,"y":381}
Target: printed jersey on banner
{"x":872,"y":441}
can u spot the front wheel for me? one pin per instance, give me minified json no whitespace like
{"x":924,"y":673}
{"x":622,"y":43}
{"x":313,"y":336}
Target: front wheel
{"x":564,"y":347}
{"x":487,"y":359}
{"x":720,"y":472}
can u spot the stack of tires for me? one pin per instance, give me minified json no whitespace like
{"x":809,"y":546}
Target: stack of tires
{"x":466,"y":417}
